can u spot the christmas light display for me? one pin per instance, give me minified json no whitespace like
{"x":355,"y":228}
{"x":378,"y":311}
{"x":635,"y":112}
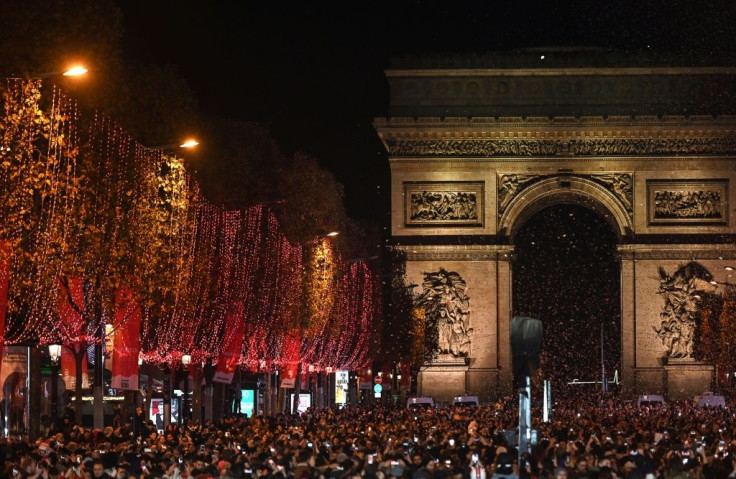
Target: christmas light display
{"x":87,"y":209}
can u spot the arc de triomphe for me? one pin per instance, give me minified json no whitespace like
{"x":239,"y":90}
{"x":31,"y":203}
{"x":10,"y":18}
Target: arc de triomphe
{"x":477,"y":144}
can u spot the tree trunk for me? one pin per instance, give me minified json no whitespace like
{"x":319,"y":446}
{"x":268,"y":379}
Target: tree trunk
{"x":219,"y":402}
{"x":280,"y":398}
{"x":352,"y":389}
{"x":167,"y":396}
{"x":149,"y":389}
{"x":79,"y":353}
{"x":34,"y":399}
{"x":99,"y":387}
{"x":208,"y":399}
{"x":297,"y":389}
{"x":197,"y":395}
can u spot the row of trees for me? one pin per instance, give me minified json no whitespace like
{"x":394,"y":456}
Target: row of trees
{"x":86,"y":210}
{"x":237,"y":227}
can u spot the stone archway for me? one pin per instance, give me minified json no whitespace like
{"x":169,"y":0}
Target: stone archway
{"x":554,"y":189}
{"x":467,"y":170}
{"x":566,"y":273}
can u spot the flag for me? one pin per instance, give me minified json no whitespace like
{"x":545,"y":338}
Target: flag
{"x":230,"y":355}
{"x":69,"y":371}
{"x":288,"y":374}
{"x":126,"y":343}
{"x":290,"y":361}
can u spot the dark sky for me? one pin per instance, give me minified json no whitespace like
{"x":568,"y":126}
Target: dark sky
{"x":314,"y":70}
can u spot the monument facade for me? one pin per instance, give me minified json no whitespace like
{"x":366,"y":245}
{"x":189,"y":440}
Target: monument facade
{"x":478,"y":144}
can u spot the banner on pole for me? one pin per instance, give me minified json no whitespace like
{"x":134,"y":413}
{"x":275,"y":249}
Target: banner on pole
{"x":288,"y":375}
{"x":230,"y":356}
{"x":290,"y":364}
{"x":126,"y":342}
{"x":69,"y":369}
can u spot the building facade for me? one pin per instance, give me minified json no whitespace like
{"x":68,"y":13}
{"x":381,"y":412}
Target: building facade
{"x":478,"y":144}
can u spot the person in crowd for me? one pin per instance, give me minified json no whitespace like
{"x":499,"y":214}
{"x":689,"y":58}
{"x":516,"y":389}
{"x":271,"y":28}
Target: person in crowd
{"x":588,"y":438}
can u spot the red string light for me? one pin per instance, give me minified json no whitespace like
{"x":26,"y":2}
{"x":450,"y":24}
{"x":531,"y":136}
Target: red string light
{"x":117,"y":212}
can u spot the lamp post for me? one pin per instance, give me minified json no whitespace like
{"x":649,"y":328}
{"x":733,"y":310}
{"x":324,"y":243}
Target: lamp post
{"x":186,"y":360}
{"x":55,"y":355}
{"x":73,"y":71}
{"x":171,"y":147}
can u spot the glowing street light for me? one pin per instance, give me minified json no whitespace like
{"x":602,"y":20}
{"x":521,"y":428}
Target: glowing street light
{"x":332,"y":233}
{"x":190,"y":143}
{"x":75,"y":71}
{"x":55,"y":353}
{"x":170,"y":147}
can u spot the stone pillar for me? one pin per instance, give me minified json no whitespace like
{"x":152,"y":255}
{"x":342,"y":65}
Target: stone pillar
{"x":444,"y":377}
{"x":628,"y":321}
{"x":687,"y":378}
{"x":503,"y":322}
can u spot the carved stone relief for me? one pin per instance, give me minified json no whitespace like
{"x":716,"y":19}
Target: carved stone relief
{"x":620,"y":184}
{"x":510,"y":186}
{"x":552,"y":147}
{"x":448,"y":307}
{"x":693,"y":201}
{"x":680,"y":308}
{"x":444,"y":204}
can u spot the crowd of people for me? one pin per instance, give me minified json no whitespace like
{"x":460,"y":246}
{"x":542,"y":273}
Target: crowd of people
{"x":587,"y":438}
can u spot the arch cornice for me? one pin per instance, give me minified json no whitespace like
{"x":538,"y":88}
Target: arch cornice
{"x":568,"y":189}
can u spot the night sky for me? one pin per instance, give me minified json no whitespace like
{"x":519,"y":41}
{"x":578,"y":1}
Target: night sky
{"x":314,"y":72}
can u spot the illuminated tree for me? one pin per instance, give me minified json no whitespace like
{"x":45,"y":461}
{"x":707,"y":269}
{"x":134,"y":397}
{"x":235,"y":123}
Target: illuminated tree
{"x":38,"y":155}
{"x":715,"y":333}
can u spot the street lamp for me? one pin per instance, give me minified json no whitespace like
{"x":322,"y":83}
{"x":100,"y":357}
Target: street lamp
{"x":74,"y":71}
{"x":55,"y":355}
{"x":186,"y":360}
{"x":188,"y":143}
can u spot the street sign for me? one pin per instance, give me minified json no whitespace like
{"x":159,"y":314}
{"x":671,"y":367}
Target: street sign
{"x":378,"y":379}
{"x":377,"y":388}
